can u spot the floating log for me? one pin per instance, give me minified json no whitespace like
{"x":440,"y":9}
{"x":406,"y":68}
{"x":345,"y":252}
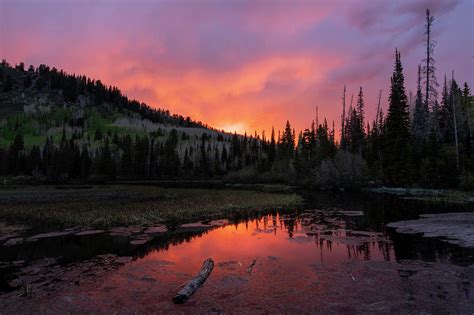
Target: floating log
{"x":250,"y":267}
{"x":194,"y":284}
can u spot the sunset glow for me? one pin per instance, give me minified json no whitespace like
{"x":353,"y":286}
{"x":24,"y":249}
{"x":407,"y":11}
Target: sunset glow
{"x":239,"y":65}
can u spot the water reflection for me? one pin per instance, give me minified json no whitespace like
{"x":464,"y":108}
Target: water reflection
{"x":302,"y":239}
{"x":342,"y":228}
{"x":328,"y":236}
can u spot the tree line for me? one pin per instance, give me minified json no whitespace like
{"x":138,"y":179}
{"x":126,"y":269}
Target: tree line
{"x":421,"y":141}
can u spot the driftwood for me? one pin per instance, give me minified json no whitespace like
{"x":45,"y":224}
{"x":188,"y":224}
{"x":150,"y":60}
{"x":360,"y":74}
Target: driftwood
{"x":250,"y":267}
{"x":194,"y":284}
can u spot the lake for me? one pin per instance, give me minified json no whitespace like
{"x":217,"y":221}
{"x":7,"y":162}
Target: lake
{"x":334,"y":255}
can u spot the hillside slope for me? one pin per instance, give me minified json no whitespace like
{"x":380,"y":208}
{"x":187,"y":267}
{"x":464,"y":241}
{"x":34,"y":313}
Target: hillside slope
{"x":55,"y":126}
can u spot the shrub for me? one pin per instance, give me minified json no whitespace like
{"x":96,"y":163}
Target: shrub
{"x":467,"y":182}
{"x":344,"y":170}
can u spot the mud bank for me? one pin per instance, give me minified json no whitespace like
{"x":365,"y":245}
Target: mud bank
{"x":455,"y":228}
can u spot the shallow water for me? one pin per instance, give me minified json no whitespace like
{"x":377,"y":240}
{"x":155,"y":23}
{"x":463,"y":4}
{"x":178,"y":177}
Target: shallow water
{"x":335,"y":256}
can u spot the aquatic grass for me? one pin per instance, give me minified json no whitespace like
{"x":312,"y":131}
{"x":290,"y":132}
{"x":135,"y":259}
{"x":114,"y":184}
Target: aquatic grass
{"x":429,"y":195}
{"x":144,"y":205}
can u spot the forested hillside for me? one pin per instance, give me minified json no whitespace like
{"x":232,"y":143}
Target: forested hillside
{"x":56,"y":126}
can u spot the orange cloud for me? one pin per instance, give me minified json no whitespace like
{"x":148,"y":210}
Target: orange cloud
{"x":240,"y":100}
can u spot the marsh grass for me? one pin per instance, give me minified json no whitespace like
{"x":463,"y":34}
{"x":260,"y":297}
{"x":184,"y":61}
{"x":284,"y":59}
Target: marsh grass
{"x":137,"y":205}
{"x":429,"y":195}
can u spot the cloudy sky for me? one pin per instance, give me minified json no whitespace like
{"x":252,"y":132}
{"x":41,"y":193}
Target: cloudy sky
{"x":240,"y":65}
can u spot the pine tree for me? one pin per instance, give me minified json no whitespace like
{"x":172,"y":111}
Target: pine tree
{"x":187,"y":163}
{"x":34,"y":161}
{"x":444,"y":120}
{"x":420,"y":126}
{"x":360,"y":109}
{"x":16,"y":155}
{"x":272,"y":147}
{"x":27,"y":83}
{"x":98,"y":135}
{"x":355,"y":125}
{"x":397,"y":149}
{"x":224,"y":158}
{"x":287,"y":142}
{"x":204,"y":168}
{"x":8,"y":84}
{"x":455,"y":117}
{"x":171,"y":158}
{"x":468,"y":108}
{"x":343,"y":119}
{"x":70,"y":89}
{"x":106,"y":163}
{"x":126,"y":164}
{"x":86,"y":163}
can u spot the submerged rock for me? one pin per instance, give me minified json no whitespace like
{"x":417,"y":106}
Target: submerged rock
{"x":219,"y":222}
{"x":139,"y":241}
{"x":120,"y":231}
{"x":350,"y":213}
{"x":51,"y":234}
{"x":90,"y":232}
{"x":156,"y":229}
{"x":14,"y":241}
{"x":366,"y":233}
{"x":455,"y":228}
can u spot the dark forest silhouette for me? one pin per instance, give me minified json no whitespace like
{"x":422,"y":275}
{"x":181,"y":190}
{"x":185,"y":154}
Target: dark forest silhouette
{"x":424,"y":143}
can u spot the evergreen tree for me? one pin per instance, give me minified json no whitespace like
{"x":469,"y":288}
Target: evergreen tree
{"x":272,"y":147}
{"x":187,"y":164}
{"x":48,"y":153}
{"x":126,"y":164}
{"x":171,"y":158}
{"x":397,"y":149}
{"x":343,"y":120}
{"x":355,"y":125}
{"x":86,"y":163}
{"x":16,"y":155}
{"x":224,"y":157}
{"x":456,"y":118}
{"x":420,"y":128}
{"x":8,"y":84}
{"x":27,"y":83}
{"x":98,"y":135}
{"x":287,"y":142}
{"x":444,"y":119}
{"x":107,"y":164}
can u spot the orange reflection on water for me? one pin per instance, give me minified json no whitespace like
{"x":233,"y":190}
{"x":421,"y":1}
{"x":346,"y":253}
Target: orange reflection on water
{"x":273,"y":236}
{"x":294,"y":272}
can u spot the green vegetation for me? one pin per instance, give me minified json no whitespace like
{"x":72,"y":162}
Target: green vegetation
{"x":36,"y":127}
{"x":107,"y":206}
{"x":431,"y":195}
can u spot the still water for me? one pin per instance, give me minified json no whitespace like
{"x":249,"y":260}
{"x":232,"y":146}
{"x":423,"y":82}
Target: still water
{"x":333,"y":256}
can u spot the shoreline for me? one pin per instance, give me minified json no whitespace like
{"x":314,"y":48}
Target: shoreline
{"x":425,"y":194}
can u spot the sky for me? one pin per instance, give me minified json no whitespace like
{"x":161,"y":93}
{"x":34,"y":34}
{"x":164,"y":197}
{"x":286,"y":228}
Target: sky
{"x":241,"y":65}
